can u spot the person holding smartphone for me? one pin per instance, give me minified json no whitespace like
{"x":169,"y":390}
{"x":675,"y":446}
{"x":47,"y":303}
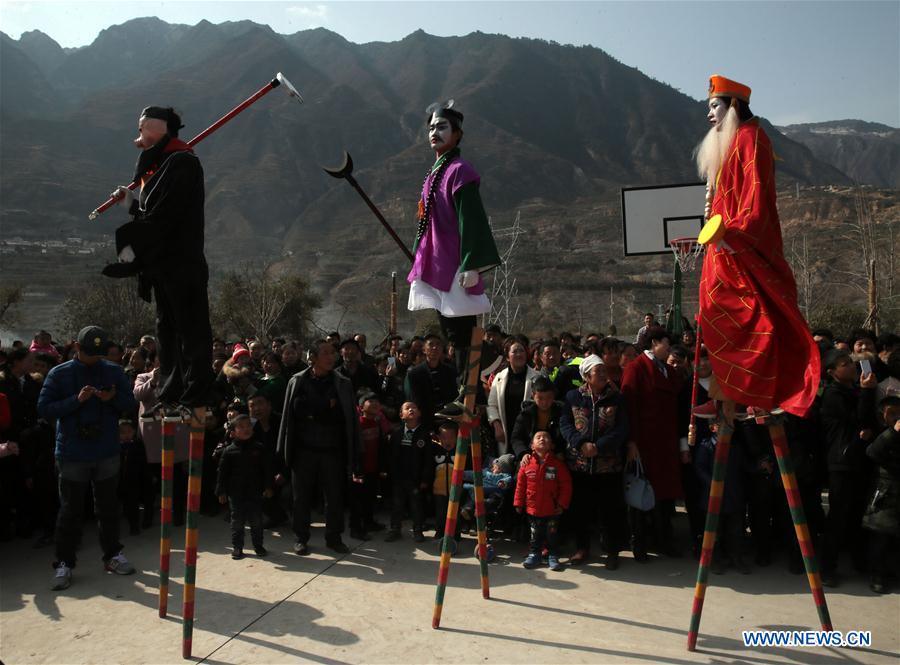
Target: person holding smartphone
{"x":86,"y":395}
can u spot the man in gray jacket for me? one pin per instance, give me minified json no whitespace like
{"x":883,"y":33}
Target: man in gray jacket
{"x":319,"y":440}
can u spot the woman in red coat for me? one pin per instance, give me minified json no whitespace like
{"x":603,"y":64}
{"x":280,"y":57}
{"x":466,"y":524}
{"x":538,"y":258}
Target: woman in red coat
{"x":651,"y":397}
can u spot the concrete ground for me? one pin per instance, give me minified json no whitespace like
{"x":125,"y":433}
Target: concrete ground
{"x":374,"y":605}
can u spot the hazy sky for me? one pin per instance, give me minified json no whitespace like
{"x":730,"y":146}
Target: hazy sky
{"x":806,"y":61}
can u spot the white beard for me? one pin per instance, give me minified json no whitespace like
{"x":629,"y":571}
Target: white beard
{"x":710,"y":153}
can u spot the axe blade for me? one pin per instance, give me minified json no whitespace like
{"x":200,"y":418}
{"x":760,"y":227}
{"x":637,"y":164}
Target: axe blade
{"x":342,"y":171}
{"x":291,"y":90}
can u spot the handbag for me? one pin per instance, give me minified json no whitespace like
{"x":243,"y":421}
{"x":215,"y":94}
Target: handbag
{"x":638,"y":491}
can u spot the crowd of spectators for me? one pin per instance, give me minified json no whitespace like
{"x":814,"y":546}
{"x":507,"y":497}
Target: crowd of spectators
{"x":563,"y":420}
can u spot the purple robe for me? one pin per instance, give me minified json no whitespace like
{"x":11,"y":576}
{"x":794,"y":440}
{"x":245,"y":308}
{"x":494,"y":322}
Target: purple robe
{"x":438,"y":252}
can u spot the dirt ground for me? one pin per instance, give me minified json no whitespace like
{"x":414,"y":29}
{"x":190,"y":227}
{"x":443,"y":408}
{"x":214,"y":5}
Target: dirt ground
{"x":374,"y":605}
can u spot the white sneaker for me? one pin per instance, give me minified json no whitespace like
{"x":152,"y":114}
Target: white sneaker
{"x":119,"y":565}
{"x":63,"y":577}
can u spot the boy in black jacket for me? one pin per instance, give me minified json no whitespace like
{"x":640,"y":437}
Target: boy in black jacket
{"x":410,"y":443}
{"x":245,"y":477}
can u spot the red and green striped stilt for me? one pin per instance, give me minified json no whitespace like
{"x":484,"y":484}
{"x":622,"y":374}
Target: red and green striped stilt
{"x":459,"y":465}
{"x":480,"y":517}
{"x":167,"y":466}
{"x":716,"y":491}
{"x":798,"y":515}
{"x":469,"y":434}
{"x":195,"y":469}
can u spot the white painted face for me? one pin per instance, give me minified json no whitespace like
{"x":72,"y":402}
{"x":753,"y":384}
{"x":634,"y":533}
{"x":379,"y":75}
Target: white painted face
{"x":150,"y":131}
{"x":717,"y":110}
{"x":441,"y":137}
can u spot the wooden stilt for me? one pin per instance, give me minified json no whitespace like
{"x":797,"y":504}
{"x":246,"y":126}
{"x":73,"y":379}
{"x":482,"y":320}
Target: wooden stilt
{"x":191,"y":534}
{"x":469,"y":434}
{"x":798,"y":516}
{"x":167,"y":467}
{"x":716,"y":491}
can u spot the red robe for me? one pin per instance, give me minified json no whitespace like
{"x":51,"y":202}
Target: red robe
{"x":760,"y":348}
{"x":652,"y":402}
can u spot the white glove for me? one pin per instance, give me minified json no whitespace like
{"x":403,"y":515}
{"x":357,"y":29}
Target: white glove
{"x":126,"y":255}
{"x":468,"y":279}
{"x":124,"y":196}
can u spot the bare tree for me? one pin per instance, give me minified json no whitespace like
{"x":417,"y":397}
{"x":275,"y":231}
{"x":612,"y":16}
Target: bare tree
{"x":112,"y":304}
{"x":10,"y":299}
{"x":251,"y":301}
{"x":803,"y":274}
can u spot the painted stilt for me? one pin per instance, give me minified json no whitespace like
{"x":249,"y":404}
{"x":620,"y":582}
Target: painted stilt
{"x":167,"y":466}
{"x":195,"y":470}
{"x":480,"y":516}
{"x":469,"y":432}
{"x":789,"y":481}
{"x":716,"y":491}
{"x":459,"y":465}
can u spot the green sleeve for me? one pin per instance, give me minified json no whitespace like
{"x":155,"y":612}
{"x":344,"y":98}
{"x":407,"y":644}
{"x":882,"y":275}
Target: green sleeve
{"x":477,"y":250}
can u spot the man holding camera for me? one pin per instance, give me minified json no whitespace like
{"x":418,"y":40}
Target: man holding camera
{"x":85,"y":396}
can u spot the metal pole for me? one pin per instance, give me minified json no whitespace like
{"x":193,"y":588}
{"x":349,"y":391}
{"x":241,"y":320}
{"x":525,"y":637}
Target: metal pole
{"x":392,"y":326}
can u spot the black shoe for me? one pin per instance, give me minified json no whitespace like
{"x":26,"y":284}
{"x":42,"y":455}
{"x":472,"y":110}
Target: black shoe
{"x":719,"y":565}
{"x":830,"y":579}
{"x":451,"y":410}
{"x":237,"y":553}
{"x":359,"y":534}
{"x":392,"y":536}
{"x":261,"y":551}
{"x":612,"y":561}
{"x":43,"y":540}
{"x":121,"y":270}
{"x":640,"y":556}
{"x":418,"y":537}
{"x":337,"y":546}
{"x":301,"y":548}
{"x":877,"y":584}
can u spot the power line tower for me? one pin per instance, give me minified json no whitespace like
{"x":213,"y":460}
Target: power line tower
{"x":504,"y":292}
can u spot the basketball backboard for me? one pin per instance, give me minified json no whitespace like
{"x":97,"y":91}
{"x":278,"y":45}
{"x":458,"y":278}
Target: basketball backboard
{"x":652,"y":216}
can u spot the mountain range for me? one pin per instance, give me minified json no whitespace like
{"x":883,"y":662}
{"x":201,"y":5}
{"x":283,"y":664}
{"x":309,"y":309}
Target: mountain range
{"x":554,"y":130}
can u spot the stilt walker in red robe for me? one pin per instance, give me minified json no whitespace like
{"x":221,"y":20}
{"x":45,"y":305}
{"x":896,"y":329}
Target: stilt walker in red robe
{"x":762,"y":355}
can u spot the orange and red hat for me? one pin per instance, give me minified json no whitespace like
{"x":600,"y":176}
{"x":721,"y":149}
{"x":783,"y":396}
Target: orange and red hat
{"x":239,"y":352}
{"x":719,"y":86}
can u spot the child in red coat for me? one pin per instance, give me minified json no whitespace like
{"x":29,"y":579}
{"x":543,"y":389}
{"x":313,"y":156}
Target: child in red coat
{"x":543,"y":490}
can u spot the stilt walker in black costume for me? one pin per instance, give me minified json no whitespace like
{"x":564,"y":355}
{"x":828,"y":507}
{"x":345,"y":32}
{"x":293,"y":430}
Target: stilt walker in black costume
{"x":163,"y":246}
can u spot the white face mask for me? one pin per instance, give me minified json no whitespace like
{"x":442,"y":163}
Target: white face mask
{"x":717,"y":110}
{"x":440,"y":135}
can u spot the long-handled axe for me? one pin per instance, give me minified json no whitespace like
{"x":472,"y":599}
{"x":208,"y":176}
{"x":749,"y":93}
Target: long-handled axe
{"x":271,"y":85}
{"x":345,"y":171}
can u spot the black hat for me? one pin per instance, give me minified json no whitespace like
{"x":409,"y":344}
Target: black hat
{"x":494,"y":328}
{"x":93,"y":341}
{"x":445,"y":110}
{"x":167,"y":114}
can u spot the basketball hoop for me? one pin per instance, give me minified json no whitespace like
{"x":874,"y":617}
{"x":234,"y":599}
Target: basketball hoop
{"x":687,"y":252}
